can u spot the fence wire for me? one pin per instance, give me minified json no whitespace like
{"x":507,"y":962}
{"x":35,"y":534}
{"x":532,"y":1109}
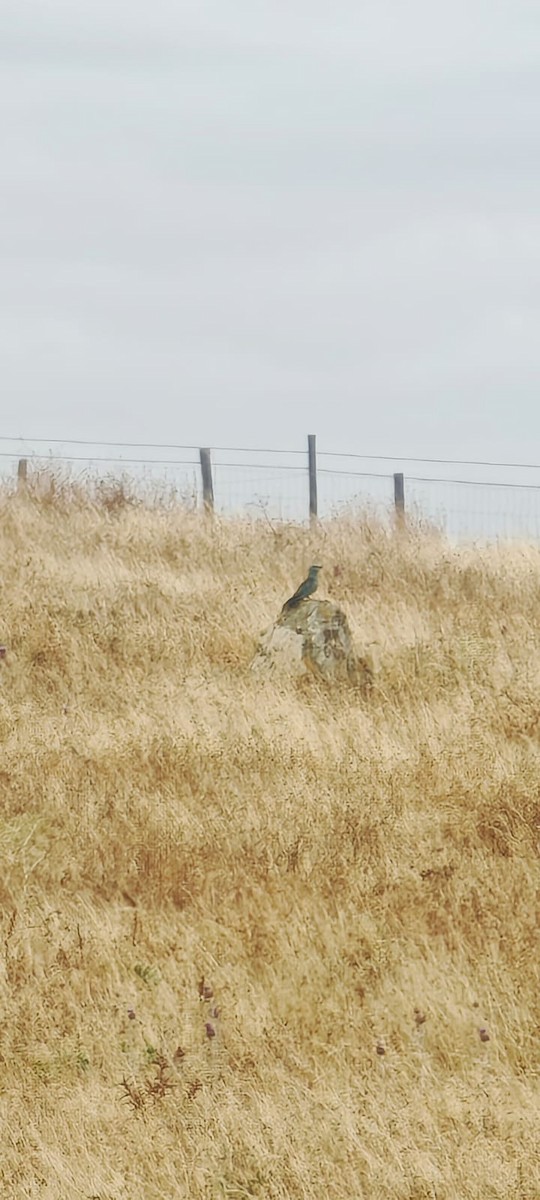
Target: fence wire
{"x":257,"y":482}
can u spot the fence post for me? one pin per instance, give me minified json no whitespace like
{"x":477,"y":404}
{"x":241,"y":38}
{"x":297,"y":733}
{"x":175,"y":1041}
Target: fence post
{"x":399,"y":495}
{"x":22,"y":474}
{"x":207,"y":482}
{"x":312,"y":468}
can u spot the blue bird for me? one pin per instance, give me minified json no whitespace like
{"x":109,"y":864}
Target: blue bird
{"x":307,"y":588}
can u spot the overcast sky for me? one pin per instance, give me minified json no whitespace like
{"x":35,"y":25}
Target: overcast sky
{"x":239,"y":221}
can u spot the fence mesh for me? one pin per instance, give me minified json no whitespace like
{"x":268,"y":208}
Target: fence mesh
{"x":276,"y":483}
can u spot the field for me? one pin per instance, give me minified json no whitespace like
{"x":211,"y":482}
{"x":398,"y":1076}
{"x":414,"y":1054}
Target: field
{"x":263,"y":938}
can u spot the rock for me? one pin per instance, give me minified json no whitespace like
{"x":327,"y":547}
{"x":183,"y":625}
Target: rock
{"x":279,"y":649}
{"x":313,"y":636}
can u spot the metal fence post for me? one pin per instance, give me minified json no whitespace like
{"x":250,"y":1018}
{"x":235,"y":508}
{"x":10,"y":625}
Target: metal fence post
{"x":399,"y":495}
{"x":22,"y":474}
{"x":312,"y":468}
{"x":207,"y":481}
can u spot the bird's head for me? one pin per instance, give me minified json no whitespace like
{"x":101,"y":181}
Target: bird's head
{"x":314,"y":571}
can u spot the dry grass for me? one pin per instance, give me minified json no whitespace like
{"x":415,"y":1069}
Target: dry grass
{"x":251,"y":929}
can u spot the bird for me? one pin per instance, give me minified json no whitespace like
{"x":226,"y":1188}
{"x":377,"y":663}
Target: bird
{"x":307,"y":588}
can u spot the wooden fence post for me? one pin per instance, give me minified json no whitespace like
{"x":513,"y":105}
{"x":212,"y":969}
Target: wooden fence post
{"x":22,"y":474}
{"x":399,"y":495}
{"x":312,"y":468}
{"x":207,"y":482}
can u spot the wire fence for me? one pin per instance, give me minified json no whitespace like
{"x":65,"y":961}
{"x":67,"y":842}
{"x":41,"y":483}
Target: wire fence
{"x":466,"y":498}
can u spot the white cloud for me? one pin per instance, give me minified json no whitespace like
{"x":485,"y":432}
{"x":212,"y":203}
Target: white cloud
{"x":333,"y":209}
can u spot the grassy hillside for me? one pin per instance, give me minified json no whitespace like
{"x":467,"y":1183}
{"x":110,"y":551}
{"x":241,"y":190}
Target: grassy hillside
{"x":252,"y":928}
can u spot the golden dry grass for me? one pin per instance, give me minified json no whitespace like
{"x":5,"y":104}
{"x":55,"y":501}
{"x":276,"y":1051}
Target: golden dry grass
{"x":336,"y":866}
